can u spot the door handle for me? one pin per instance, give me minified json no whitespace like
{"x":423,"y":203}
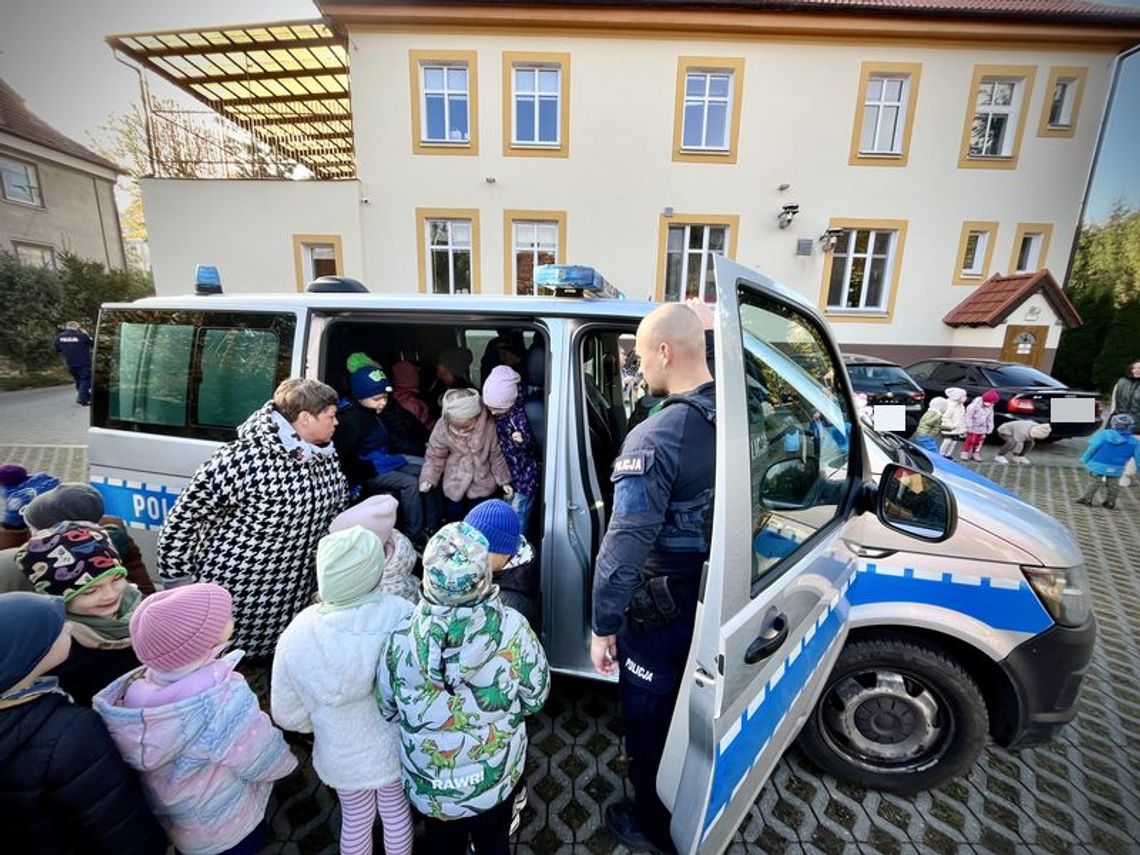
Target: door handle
{"x":768,"y":642}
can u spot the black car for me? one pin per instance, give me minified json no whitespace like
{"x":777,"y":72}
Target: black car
{"x":885,"y":383}
{"x":1026,"y":393}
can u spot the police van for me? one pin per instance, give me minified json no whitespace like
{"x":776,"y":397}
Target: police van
{"x":890,"y":609}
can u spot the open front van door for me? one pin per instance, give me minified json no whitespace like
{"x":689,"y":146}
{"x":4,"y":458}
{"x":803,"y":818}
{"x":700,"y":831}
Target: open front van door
{"x":773,"y":614}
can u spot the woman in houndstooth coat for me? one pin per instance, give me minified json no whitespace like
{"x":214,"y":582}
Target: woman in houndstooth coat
{"x":251,"y":516}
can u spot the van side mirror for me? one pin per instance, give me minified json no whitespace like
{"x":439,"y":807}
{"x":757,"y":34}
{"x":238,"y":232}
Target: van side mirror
{"x":915,"y":504}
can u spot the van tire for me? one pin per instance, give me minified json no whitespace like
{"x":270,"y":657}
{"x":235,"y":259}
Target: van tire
{"x":898,"y":715}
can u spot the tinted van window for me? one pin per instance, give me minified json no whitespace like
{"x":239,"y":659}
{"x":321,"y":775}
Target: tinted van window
{"x":192,"y":374}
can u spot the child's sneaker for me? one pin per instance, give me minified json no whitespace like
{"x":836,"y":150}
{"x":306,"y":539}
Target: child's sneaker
{"x":1083,"y":501}
{"x":1109,"y":504}
{"x":978,"y":456}
{"x":964,"y":456}
{"x":1002,"y":460}
{"x":1024,"y":461}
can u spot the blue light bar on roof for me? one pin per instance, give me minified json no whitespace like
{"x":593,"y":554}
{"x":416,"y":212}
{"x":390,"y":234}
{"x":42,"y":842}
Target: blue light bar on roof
{"x":574,"y":280}
{"x":207,"y":280}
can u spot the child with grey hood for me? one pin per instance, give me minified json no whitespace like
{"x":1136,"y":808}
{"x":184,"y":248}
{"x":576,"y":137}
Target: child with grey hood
{"x":1020,"y":436}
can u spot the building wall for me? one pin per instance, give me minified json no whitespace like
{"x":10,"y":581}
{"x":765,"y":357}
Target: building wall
{"x":78,"y":215}
{"x":246,"y":229}
{"x":798,"y":109}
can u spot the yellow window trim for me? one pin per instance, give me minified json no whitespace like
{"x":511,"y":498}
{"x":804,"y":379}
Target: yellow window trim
{"x":416,"y":60}
{"x":665,"y":221}
{"x":425,"y":214}
{"x":1046,"y":232}
{"x":869,"y":69}
{"x":1080,"y":75}
{"x":299,"y":242}
{"x":990,"y":227}
{"x":685,"y":64}
{"x":1024,"y":72}
{"x":510,"y":147}
{"x":865,"y":317}
{"x":513,"y":215}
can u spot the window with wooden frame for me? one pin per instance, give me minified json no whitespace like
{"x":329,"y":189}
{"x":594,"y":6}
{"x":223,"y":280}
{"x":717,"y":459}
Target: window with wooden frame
{"x":20,"y":182}
{"x":975,"y":251}
{"x":706,"y":120}
{"x":34,"y":254}
{"x":687,"y":243}
{"x":448,"y":250}
{"x":536,"y":104}
{"x":1030,"y":247}
{"x":315,"y":256}
{"x":445,"y":103}
{"x":1063,"y":93}
{"x":884,"y":114}
{"x":531,"y":238}
{"x":995,"y":118}
{"x":861,"y":274}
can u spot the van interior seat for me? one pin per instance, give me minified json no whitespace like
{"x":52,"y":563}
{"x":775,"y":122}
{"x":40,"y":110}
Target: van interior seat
{"x":534,"y":401}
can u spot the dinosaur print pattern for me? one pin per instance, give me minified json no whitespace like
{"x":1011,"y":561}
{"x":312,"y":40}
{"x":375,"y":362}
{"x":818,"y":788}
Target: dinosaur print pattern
{"x":459,"y":681}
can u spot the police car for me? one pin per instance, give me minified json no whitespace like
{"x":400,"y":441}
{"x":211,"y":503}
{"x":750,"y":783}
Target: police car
{"x":891,"y":610}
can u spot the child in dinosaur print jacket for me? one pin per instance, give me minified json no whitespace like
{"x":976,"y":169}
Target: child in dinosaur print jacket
{"x":459,"y":675}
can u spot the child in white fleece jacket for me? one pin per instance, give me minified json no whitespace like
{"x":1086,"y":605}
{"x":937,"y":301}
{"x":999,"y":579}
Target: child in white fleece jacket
{"x":324,"y":682}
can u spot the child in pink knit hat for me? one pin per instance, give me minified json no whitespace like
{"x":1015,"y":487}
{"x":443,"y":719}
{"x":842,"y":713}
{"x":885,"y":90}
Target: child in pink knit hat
{"x":516,"y":439}
{"x":187,"y":721}
{"x":378,"y":515}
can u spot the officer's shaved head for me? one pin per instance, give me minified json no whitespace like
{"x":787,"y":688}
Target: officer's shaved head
{"x":671,"y":346}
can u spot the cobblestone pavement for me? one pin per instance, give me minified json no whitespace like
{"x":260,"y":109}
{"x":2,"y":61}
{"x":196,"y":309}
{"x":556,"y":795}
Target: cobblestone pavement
{"x":1080,"y":793}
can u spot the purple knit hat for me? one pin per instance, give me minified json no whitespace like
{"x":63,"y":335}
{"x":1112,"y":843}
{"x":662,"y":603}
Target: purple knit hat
{"x":180,"y":627}
{"x":501,"y":389}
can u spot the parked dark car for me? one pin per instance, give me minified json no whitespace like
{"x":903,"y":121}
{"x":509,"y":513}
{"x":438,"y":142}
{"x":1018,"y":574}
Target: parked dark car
{"x":885,"y":383}
{"x":1026,"y":393}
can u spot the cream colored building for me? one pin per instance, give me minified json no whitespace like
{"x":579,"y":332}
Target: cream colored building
{"x":920,"y":155}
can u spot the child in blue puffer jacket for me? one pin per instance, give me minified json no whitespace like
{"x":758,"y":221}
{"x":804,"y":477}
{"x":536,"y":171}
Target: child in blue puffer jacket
{"x":1108,"y":452}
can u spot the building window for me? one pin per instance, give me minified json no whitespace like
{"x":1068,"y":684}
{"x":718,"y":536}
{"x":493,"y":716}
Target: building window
{"x":448,"y":251}
{"x":861,"y":273}
{"x":444,"y":102}
{"x":35,"y":255}
{"x":994,"y":125}
{"x":20,"y":182}
{"x":885,"y":113}
{"x":707,"y":121}
{"x":975,"y":249}
{"x":1030,"y":247}
{"x":533,"y":238}
{"x":536,"y":104}
{"x":315,"y":256}
{"x":1063,"y":102}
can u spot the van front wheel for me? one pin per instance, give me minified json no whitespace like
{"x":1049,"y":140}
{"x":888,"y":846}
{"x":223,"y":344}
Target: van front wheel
{"x":896,"y":715}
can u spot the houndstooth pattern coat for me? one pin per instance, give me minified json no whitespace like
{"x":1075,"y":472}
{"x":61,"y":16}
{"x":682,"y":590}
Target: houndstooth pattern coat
{"x":250,"y":520}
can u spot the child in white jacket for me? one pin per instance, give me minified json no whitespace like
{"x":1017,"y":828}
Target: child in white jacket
{"x":324,"y":682}
{"x":953,"y":420}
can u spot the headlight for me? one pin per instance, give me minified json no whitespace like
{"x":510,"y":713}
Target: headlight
{"x":1063,"y":591}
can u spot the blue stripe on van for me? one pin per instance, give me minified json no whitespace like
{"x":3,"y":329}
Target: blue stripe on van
{"x":1002,"y":603}
{"x":140,"y":505}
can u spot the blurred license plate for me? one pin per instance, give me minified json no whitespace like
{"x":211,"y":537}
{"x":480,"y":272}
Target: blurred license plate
{"x":890,"y":417}
{"x":1072,"y":410}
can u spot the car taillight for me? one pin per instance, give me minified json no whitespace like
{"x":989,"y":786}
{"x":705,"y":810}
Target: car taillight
{"x":1098,"y":408}
{"x":1018,"y":405}
{"x":918,"y":396}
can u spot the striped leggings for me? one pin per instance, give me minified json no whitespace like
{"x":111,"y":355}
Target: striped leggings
{"x":358,"y":813}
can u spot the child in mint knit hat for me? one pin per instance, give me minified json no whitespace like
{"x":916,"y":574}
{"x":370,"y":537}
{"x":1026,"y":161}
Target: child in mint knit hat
{"x":324,"y":683}
{"x":191,"y":726}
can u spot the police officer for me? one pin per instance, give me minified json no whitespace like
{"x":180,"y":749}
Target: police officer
{"x":74,"y":345}
{"x":649,"y":566}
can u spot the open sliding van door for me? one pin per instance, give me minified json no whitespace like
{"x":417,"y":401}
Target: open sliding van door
{"x":772,"y":616}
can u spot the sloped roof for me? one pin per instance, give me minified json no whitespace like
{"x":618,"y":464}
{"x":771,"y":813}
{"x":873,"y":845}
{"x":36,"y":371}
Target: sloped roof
{"x":1035,"y":11}
{"x":995,"y":300}
{"x":16,"y":119}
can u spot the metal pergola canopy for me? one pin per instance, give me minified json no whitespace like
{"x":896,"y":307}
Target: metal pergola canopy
{"x":285,"y":83}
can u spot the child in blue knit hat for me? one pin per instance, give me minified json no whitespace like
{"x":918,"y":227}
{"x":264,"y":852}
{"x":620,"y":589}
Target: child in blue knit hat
{"x":512,"y":559}
{"x":365,"y":443}
{"x":1108,"y":452}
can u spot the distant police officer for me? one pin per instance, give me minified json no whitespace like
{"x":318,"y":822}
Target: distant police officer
{"x":74,"y":345}
{"x":649,"y":567}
